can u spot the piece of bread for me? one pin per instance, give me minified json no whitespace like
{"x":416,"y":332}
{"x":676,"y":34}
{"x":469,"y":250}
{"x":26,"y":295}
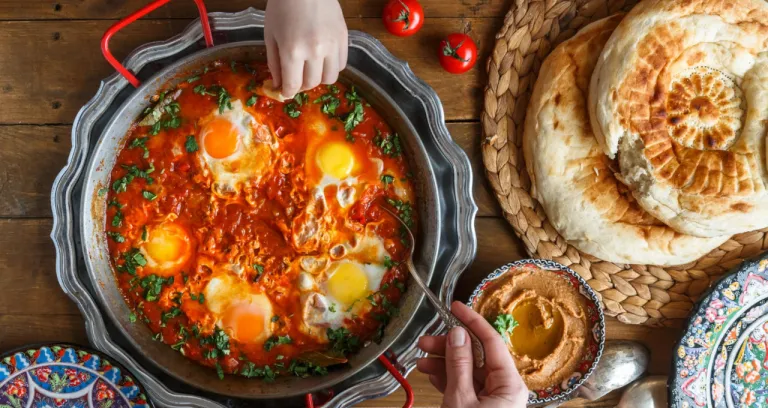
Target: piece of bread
{"x":680,"y":94}
{"x":572,"y":178}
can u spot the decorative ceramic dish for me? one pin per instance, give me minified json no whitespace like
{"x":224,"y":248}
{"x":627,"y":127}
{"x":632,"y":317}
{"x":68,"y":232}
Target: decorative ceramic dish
{"x":62,"y":375}
{"x":722,"y":358}
{"x":595,"y":320}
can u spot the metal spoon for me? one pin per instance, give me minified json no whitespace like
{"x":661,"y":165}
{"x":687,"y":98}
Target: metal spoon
{"x":448,"y":318}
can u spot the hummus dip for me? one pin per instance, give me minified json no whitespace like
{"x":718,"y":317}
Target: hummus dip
{"x":550,"y":338}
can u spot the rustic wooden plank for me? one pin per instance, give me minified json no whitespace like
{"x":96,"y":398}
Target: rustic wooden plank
{"x":25,"y":190}
{"x":52,"y":68}
{"x":27,"y":270}
{"x":32,"y":157}
{"x":99,"y":9}
{"x":23,"y":329}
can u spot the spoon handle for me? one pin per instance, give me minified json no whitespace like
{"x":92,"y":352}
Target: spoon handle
{"x":448,"y":318}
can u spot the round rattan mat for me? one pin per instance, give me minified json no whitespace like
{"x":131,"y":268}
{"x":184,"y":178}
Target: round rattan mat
{"x":638,"y":294}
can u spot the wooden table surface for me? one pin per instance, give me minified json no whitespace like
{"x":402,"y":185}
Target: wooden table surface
{"x":50,"y":65}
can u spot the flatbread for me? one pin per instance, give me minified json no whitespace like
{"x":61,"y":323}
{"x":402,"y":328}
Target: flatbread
{"x":679,"y":94}
{"x":575,"y":181}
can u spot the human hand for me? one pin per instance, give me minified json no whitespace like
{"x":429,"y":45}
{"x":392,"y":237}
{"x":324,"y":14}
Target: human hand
{"x":497,"y":384}
{"x":306,"y":43}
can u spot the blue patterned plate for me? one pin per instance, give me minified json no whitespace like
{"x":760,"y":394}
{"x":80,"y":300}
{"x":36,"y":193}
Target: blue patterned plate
{"x":63,"y":375}
{"x":721,"y":360}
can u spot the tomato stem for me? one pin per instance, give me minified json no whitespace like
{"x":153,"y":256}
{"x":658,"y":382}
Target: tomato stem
{"x":404,"y":16}
{"x":451,"y":52}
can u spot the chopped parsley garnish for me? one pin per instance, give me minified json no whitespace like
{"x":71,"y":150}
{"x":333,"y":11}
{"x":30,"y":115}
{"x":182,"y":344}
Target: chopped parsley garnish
{"x":332,"y":307}
{"x":132,"y":259}
{"x":387,"y":179}
{"x":250,"y":370}
{"x":333,"y":88}
{"x":292,"y":109}
{"x":356,"y":115}
{"x":171,"y":121}
{"x":114,"y":203}
{"x":343,"y":341}
{"x":132,"y":317}
{"x":142,"y":143}
{"x":144,"y":234}
{"x":117,"y":219}
{"x":405,"y":239}
{"x":389,"y":143}
{"x":219,"y":371}
{"x":251,"y":101}
{"x":389,"y":263}
{"x":116,"y":236}
{"x":505,"y":324}
{"x":222,"y":96}
{"x":149,"y":195}
{"x":177,"y":346}
{"x":304,"y":369}
{"x":259,"y":270}
{"x":404,"y":210}
{"x":191,"y":144}
{"x":349,"y":137}
{"x":158,"y":337}
{"x":219,"y":342}
{"x":275,"y":319}
{"x":330,"y":103}
{"x":400,"y":286}
{"x":232,"y":66}
{"x":153,"y":284}
{"x":175,"y":311}
{"x":121,"y":185}
{"x":251,"y":85}
{"x":301,"y":98}
{"x":193,"y":78}
{"x":276,"y":340}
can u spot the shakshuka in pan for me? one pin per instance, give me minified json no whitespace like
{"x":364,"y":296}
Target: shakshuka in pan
{"x":247,"y":231}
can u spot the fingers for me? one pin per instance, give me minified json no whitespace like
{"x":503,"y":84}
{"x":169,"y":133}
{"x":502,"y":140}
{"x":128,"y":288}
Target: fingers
{"x":330,"y":69}
{"x":292,"y":71}
{"x":313,"y":72}
{"x":343,"y":53}
{"x":433,"y":344}
{"x":438,"y":381}
{"x":273,"y":62}
{"x":460,"y":390}
{"x":496,"y":353}
{"x":431,"y":366}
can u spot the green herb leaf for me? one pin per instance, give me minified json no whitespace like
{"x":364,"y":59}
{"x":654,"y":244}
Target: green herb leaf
{"x":132,"y":317}
{"x":175,"y":311}
{"x":333,"y":88}
{"x":219,"y":371}
{"x":349,"y":137}
{"x":400,"y":286}
{"x":301,"y":98}
{"x":330,"y":103}
{"x":292,"y":110}
{"x":193,"y":79}
{"x":103,"y":191}
{"x":389,"y":143}
{"x":276,"y":340}
{"x":505,"y":324}
{"x":275,"y":319}
{"x":117,"y":219}
{"x":149,"y":195}
{"x":144,"y":234}
{"x":232,"y":66}
{"x":259,"y":270}
{"x":332,"y":307}
{"x":404,"y":210}
{"x":251,"y":101}
{"x":191,"y":144}
{"x":343,"y":341}
{"x":387,"y":179}
{"x":116,"y":236}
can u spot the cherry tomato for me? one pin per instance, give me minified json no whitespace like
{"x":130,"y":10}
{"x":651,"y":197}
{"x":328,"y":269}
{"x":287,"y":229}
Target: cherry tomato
{"x":403,"y":17}
{"x":458,"y":53}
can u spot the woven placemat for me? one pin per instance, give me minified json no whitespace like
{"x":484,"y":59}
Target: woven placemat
{"x":638,"y":294}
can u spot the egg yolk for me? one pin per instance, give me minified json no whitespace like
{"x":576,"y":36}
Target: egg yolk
{"x":348,"y":283}
{"x":167,"y":243}
{"x":245,"y":321}
{"x":336,"y":160}
{"x":220,"y":138}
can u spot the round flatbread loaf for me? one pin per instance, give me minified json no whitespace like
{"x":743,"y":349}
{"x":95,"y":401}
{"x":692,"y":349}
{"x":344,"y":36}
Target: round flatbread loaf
{"x":575,"y":181}
{"x":679,"y":94}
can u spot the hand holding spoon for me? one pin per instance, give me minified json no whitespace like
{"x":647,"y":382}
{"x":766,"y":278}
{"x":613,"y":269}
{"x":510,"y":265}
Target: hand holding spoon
{"x":448,"y":318}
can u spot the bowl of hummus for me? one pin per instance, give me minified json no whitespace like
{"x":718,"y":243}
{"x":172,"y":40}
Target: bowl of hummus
{"x":551,"y":321}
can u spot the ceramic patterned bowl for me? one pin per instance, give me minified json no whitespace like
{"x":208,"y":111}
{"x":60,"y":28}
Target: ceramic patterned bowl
{"x":63,"y":375}
{"x":722,"y":358}
{"x":595,"y":318}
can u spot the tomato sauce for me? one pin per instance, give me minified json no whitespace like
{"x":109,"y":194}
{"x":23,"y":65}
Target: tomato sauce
{"x":178,"y":218}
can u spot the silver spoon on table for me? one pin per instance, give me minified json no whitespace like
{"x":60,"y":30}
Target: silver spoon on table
{"x":448,"y":318}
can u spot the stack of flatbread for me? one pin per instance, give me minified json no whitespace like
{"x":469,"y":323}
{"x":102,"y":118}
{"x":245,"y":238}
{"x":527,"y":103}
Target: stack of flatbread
{"x":645,"y":138}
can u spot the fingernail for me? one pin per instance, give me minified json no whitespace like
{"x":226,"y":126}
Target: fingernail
{"x":457,"y":337}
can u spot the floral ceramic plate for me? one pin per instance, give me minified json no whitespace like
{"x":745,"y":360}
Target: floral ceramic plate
{"x":595,"y":317}
{"x":721,"y":360}
{"x":63,"y":375}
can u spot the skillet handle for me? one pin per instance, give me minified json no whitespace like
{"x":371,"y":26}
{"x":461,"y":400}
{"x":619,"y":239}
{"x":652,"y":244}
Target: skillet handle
{"x":400,"y":378}
{"x":137,"y":15}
